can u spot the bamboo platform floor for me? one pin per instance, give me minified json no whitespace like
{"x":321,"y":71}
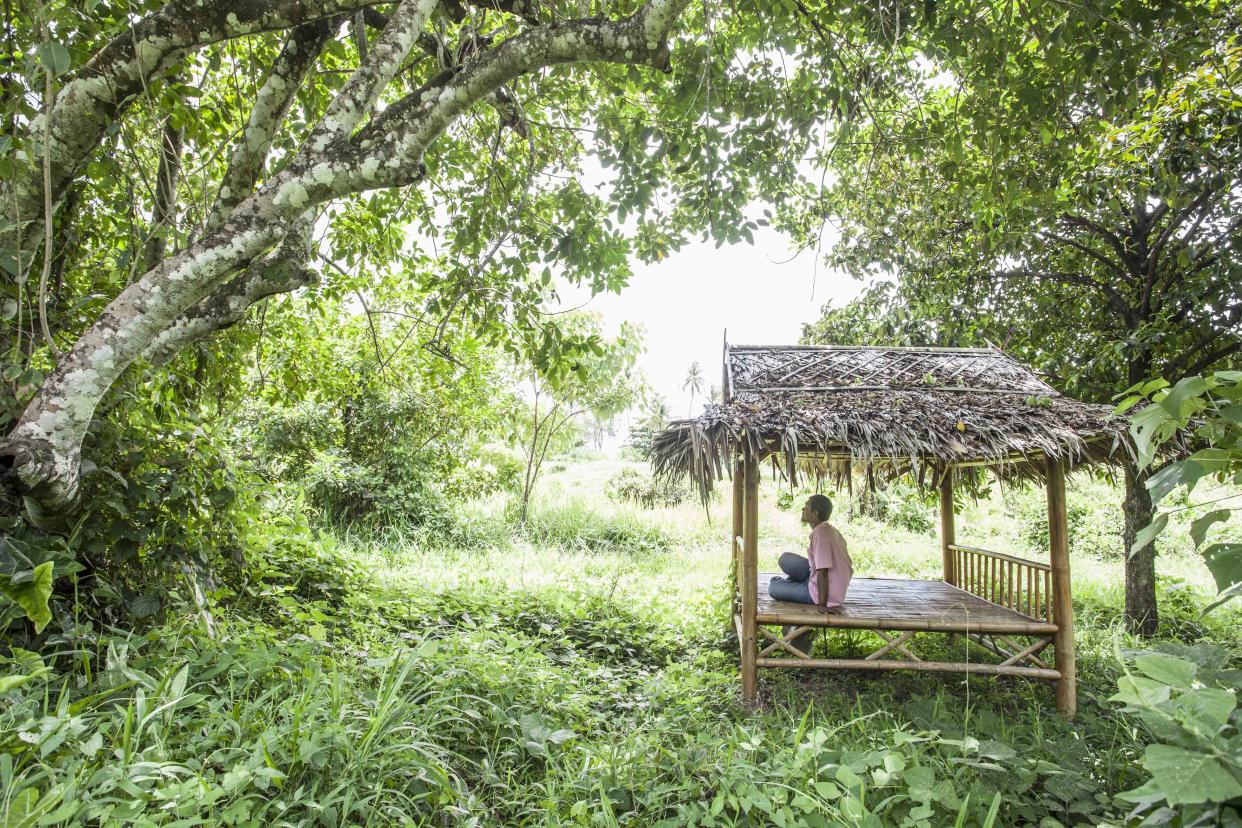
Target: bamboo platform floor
{"x":903,"y":604}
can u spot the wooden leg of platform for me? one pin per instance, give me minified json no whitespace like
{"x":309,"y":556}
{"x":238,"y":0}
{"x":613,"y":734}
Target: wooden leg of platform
{"x":750,"y":585}
{"x":1062,"y":606}
{"x":948,"y":535}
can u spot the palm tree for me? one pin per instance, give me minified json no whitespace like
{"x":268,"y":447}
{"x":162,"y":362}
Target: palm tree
{"x":694,"y":383}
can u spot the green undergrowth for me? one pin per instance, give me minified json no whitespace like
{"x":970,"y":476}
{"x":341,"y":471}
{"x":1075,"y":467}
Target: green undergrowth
{"x":323,"y":697}
{"x":540,"y":680}
{"x":514,"y":709}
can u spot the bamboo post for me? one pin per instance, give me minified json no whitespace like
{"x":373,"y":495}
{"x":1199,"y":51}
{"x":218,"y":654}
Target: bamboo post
{"x":750,"y":583}
{"x":948,"y":534}
{"x":739,"y":508}
{"x":1062,"y":608}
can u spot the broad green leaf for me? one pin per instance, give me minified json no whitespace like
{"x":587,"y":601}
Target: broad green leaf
{"x":1224,"y":560}
{"x":1208,"y":707}
{"x":1200,"y":526}
{"x":32,"y":595}
{"x":1167,"y":669}
{"x":12,"y":682}
{"x":1169,"y":478}
{"x":1137,"y":691}
{"x":1149,"y":533}
{"x":54,"y":57}
{"x":1187,"y":777}
{"x":1224,"y":597}
{"x":1145,"y":428}
{"x":1175,"y":401}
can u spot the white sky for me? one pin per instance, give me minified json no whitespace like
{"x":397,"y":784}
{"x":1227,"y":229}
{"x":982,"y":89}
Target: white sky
{"x":686,"y":302}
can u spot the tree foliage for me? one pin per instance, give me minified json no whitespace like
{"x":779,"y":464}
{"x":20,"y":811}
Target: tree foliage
{"x":1089,"y":225}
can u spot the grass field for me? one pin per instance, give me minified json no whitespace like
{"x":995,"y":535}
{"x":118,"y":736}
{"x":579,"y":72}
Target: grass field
{"x":578,"y":671}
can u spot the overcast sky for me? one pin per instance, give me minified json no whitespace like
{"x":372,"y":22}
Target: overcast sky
{"x":688,"y":300}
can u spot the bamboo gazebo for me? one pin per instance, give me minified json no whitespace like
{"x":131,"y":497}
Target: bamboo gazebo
{"x":837,"y":411}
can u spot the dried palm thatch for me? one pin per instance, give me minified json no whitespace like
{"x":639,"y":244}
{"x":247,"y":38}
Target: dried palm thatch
{"x":888,"y":411}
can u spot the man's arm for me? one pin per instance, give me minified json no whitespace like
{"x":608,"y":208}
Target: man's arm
{"x":821,"y":587}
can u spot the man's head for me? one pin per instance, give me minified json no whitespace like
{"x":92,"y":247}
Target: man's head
{"x":818,"y":509}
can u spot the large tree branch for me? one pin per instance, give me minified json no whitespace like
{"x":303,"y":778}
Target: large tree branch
{"x":393,"y":143}
{"x":1114,"y":299}
{"x":1199,"y":203}
{"x":1193,"y":360}
{"x":1116,"y":267}
{"x":271,"y":105}
{"x":1213,"y":357}
{"x":1111,"y":238}
{"x":98,"y":93}
{"x":281,"y":271}
{"x":43,"y":452}
{"x":352,"y":103}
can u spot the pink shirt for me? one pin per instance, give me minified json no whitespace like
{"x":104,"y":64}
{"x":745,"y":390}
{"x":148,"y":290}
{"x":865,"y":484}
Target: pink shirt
{"x":827,"y":551}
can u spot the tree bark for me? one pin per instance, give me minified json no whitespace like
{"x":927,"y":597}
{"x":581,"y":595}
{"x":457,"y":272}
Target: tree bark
{"x":1141,"y":611}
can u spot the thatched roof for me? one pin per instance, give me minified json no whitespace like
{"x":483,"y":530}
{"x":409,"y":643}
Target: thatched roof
{"x":896,"y":409}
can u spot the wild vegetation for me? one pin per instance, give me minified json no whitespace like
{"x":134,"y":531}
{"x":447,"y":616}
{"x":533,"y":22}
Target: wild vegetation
{"x":578,"y":671}
{"x":300,"y":521}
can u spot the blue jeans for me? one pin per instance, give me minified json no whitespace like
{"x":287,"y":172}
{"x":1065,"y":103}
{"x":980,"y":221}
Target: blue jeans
{"x":794,"y":586}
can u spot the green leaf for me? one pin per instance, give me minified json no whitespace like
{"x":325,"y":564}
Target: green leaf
{"x":1168,"y":479}
{"x":1224,"y":597}
{"x":54,"y":57}
{"x":1209,"y":708}
{"x":145,"y":605}
{"x":1166,"y":669}
{"x":1175,"y":401}
{"x":1145,"y":429}
{"x":11,"y":682}
{"x":1137,"y":691}
{"x":1149,"y":533}
{"x":1199,"y":527}
{"x":1188,"y":777}
{"x":32,"y":596}
{"x":1224,"y":560}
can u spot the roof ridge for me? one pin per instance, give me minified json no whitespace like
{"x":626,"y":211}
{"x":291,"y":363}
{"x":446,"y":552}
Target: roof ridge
{"x":907,"y":348}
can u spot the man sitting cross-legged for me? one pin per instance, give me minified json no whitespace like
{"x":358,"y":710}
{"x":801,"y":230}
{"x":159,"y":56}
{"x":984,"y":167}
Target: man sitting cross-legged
{"x":823,"y":576}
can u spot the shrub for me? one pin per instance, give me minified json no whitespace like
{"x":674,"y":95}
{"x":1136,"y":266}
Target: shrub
{"x":1094,"y":520}
{"x":348,"y":493}
{"x":576,"y":524}
{"x":899,"y":504}
{"x":1186,"y":698}
{"x":646,"y":490}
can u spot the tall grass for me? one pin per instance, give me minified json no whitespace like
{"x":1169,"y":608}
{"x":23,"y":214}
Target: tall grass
{"x":574,"y":673}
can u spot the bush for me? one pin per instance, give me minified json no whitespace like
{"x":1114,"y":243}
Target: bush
{"x":1094,"y":519}
{"x":346,"y":493}
{"x":899,"y":504}
{"x":577,"y":524}
{"x":646,"y":490}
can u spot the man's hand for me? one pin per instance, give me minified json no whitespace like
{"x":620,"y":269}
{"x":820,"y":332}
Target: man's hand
{"x":828,"y":610}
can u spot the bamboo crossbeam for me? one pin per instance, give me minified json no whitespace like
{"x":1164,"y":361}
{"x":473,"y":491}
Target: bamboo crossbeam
{"x":921,"y":666}
{"x":874,"y":622}
{"x":909,"y":349}
{"x":783,"y":641}
{"x":895,"y":642}
{"x":961,"y":389}
{"x":1029,"y":653}
{"x":989,"y":646}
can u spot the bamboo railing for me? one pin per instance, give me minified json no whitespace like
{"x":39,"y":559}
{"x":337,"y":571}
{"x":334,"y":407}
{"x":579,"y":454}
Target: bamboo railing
{"x":1015,"y":583}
